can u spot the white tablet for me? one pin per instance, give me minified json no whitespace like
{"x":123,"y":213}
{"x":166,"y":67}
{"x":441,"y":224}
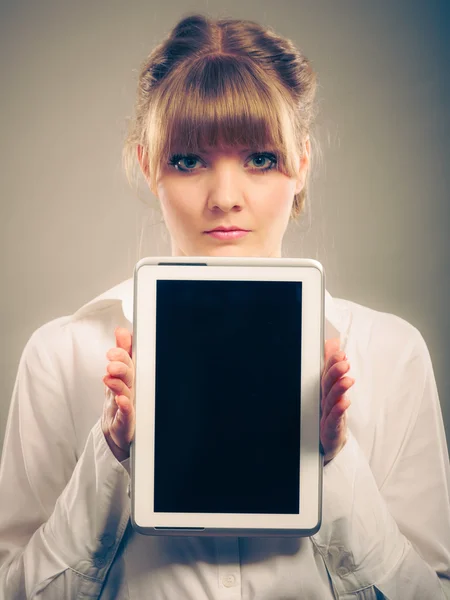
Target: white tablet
{"x":228,"y":354}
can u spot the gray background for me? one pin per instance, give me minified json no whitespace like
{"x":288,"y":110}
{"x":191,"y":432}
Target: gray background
{"x":379,"y":213}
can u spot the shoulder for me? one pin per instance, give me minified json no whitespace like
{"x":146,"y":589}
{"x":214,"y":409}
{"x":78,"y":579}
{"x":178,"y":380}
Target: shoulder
{"x":391,"y":364}
{"x":62,"y":367}
{"x":61,"y":342}
{"x":46,"y":339}
{"x":389,"y":360}
{"x":382,"y":334}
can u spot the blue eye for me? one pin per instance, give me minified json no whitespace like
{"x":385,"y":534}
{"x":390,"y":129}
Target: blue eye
{"x":265,"y":156}
{"x":176,"y":158}
{"x":190,"y":160}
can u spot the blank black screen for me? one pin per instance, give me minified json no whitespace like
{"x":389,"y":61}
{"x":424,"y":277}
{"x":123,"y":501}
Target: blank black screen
{"x":227,"y":421}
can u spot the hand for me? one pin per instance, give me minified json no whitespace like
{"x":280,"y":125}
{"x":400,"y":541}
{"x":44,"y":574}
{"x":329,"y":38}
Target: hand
{"x":333,"y":423}
{"x":118,"y":420}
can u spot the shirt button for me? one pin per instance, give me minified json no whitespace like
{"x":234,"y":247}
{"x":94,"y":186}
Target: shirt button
{"x":228,"y":580}
{"x":342,"y":571}
{"x":107,"y":540}
{"x":100,"y":561}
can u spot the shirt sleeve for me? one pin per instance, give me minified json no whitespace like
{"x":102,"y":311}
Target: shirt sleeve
{"x":392,"y":540}
{"x":61,"y":516}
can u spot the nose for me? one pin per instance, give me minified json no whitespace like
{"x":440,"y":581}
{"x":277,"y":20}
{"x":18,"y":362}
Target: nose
{"x":225,"y":187}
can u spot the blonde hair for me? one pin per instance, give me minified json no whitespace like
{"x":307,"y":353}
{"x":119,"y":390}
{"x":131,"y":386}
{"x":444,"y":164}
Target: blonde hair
{"x":214,"y":83}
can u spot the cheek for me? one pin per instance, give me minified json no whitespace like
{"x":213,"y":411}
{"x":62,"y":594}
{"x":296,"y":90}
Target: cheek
{"x":176,"y":199}
{"x":279,"y":200}
{"x":180,"y":200}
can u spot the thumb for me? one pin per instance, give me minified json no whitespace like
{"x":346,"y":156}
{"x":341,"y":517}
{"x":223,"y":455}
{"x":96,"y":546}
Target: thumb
{"x":123,"y":339}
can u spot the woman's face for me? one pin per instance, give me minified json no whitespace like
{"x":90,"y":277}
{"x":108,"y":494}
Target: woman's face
{"x":233,"y":187}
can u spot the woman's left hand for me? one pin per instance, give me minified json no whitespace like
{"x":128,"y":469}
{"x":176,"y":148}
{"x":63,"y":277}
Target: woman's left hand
{"x":333,"y":423}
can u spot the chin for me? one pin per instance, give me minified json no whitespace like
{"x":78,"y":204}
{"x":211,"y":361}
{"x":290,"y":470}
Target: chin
{"x":226,"y":249}
{"x":232,"y":250}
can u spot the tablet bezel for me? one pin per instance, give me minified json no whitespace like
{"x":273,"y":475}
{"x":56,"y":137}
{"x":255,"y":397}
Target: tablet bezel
{"x":147,"y":272}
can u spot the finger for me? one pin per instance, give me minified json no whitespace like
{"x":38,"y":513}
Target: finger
{"x":338,"y":356}
{"x":124,"y":404}
{"x":332,"y":354}
{"x":117,"y":386}
{"x":121,"y":355}
{"x":119,"y":370}
{"x":331,"y":347}
{"x":339,"y":409}
{"x":334,"y":358}
{"x":114,"y":403}
{"x":340,"y":387}
{"x":123,"y":339}
{"x":334,"y":428}
{"x":122,"y":428}
{"x":336,"y":371}
{"x":109,"y":409}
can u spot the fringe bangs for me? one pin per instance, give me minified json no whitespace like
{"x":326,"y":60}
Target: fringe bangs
{"x":220,"y":102}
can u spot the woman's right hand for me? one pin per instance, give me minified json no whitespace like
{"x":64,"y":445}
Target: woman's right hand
{"x":118,"y":419}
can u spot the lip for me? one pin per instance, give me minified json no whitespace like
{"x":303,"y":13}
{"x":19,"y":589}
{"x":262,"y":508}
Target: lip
{"x":223,"y":228}
{"x":232,"y":234}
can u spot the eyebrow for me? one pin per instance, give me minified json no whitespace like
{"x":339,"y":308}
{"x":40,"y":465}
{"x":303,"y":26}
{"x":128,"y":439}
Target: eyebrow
{"x":206,"y":150}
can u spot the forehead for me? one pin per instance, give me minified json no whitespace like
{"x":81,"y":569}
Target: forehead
{"x":226,"y":149}
{"x":219,"y":148}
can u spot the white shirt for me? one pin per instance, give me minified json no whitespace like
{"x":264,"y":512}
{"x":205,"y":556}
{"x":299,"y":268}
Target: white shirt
{"x":64,"y":504}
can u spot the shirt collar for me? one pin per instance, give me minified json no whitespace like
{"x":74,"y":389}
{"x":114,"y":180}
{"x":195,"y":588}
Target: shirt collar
{"x":337,"y":318}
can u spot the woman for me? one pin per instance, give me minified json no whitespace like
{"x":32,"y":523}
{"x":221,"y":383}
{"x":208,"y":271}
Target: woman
{"x":221,"y":133}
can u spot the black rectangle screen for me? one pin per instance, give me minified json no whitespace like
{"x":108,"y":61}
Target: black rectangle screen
{"x":227,"y":420}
